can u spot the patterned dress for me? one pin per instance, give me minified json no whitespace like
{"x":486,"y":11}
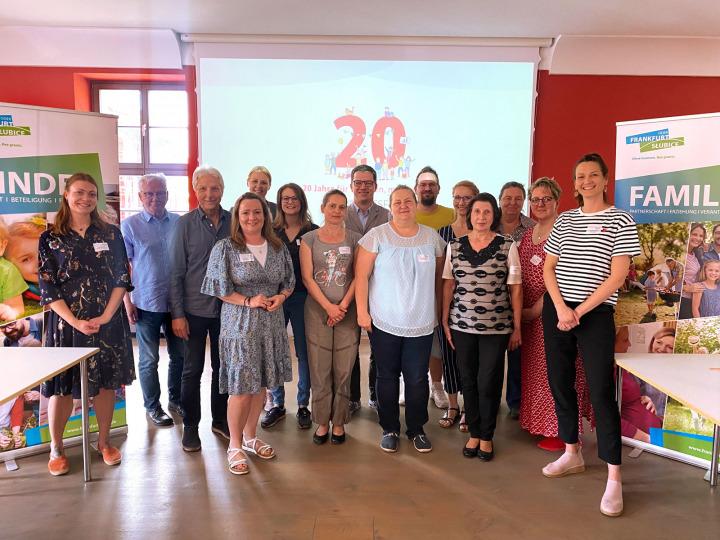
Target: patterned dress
{"x":537,"y":407}
{"x":83,"y":271}
{"x":254,"y":351}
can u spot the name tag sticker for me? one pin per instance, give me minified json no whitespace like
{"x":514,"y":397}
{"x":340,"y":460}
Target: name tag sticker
{"x":246,"y":257}
{"x":536,"y":259}
{"x":594,"y":229}
{"x":100,"y":246}
{"x":423,"y":258}
{"x":298,"y":241}
{"x":344,"y":250}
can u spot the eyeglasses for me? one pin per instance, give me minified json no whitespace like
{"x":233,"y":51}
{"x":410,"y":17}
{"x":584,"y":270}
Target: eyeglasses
{"x":538,"y":200}
{"x":360,"y":183}
{"x":285,"y":200}
{"x":462,"y":198}
{"x":154,"y":194}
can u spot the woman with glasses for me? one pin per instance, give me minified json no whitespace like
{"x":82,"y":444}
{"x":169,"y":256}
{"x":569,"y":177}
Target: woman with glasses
{"x":463,"y":192}
{"x":588,"y":256}
{"x":537,"y":408}
{"x":481,"y":313}
{"x":291,"y":222}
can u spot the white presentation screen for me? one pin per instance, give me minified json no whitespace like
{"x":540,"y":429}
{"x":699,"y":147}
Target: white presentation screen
{"x":311,"y":121}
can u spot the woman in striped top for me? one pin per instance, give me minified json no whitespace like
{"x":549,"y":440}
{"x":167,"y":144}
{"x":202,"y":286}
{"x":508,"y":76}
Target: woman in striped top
{"x":588,"y":255}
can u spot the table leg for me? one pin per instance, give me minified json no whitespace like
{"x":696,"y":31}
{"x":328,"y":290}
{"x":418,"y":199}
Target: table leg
{"x":714,"y":457}
{"x":85,"y":419}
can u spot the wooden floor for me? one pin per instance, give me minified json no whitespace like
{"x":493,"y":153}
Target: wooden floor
{"x":353,"y":491}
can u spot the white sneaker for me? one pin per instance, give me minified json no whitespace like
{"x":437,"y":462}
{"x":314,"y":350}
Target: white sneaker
{"x":438,"y":395}
{"x":401,"y":397}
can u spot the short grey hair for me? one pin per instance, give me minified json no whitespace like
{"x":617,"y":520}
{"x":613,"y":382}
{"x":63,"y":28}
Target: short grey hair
{"x":206,"y":170}
{"x":160,"y":177}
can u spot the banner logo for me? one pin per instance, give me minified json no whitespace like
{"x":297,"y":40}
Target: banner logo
{"x":652,"y":141}
{"x":7,"y":129}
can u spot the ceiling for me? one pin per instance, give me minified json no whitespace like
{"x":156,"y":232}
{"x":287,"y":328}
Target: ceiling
{"x":467,"y":18}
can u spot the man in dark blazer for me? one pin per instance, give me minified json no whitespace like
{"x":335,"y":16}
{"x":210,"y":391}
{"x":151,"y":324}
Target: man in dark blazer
{"x":362,"y":215}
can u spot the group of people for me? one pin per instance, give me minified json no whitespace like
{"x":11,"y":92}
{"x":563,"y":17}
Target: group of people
{"x":451,"y":304}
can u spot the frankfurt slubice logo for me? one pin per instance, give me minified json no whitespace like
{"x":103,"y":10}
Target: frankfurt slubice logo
{"x":7,"y":129}
{"x":655,"y":140}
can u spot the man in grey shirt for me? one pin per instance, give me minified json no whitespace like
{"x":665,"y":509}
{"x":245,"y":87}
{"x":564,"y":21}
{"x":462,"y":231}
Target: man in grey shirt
{"x":195,"y":315}
{"x":362,"y":215}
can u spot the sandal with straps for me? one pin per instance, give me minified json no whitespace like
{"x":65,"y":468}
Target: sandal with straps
{"x":448,"y":421}
{"x":463,"y":427}
{"x":234,"y":462}
{"x":261,"y":452}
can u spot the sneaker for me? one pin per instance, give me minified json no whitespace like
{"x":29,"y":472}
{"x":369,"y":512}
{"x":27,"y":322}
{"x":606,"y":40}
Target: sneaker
{"x":176,"y":408}
{"x":272,"y":417}
{"x":373,"y":404}
{"x":57,"y":466}
{"x":191,"y":439}
{"x":422,"y":443}
{"x":355,"y":406}
{"x":221,"y":429}
{"x":304,"y":418}
{"x":438,"y":395}
{"x":159,"y":418}
{"x":389,"y":442}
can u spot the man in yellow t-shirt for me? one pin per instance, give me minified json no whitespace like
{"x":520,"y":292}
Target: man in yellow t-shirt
{"x":427,"y":187}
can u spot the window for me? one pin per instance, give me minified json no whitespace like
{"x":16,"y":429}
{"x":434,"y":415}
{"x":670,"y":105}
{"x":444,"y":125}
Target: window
{"x":152,"y":137}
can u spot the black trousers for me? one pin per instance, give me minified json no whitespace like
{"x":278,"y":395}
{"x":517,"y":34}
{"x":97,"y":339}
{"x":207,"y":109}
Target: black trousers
{"x":200,"y":327}
{"x":481,"y":358}
{"x":595,"y":338}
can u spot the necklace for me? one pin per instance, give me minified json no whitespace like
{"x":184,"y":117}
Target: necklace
{"x":538,"y":235}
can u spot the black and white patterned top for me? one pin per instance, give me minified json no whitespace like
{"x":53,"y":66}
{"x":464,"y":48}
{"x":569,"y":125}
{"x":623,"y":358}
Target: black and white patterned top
{"x":585,"y":244}
{"x":481,"y":299}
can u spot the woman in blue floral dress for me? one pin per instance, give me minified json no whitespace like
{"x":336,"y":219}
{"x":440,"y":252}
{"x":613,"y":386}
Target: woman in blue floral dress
{"x":252,"y":273}
{"x":84,"y":274}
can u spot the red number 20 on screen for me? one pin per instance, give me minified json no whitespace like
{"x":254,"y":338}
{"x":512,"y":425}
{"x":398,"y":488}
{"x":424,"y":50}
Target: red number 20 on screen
{"x":356,"y":124}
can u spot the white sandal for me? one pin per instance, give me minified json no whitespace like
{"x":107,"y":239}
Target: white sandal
{"x":234,"y":461}
{"x":251,"y":446}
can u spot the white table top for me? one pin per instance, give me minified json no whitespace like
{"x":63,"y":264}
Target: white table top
{"x":692,"y":379}
{"x":23,"y":368}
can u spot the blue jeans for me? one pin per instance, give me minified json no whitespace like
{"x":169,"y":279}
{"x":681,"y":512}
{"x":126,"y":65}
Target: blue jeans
{"x":147,"y":332}
{"x":411,"y":357}
{"x":294,"y":310}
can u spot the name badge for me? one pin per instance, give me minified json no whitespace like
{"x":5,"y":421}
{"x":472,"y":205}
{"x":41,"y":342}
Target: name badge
{"x":298,"y":241}
{"x":246,"y":257}
{"x":423,"y":258}
{"x":100,"y":246}
{"x":536,"y":259}
{"x":344,"y":250}
{"x":594,"y":229}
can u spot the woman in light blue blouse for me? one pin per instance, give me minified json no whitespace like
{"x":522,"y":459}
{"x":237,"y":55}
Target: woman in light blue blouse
{"x":396,"y":276}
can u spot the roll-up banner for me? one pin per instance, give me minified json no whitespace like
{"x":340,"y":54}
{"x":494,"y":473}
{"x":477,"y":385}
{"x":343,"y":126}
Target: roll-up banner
{"x":668,"y":177}
{"x":40,"y":149}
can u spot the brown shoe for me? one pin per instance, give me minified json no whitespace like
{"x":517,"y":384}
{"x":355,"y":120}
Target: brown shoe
{"x":57,"y":466}
{"x":111,"y":455}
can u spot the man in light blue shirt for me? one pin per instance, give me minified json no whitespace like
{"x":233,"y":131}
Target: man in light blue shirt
{"x":147,"y":237}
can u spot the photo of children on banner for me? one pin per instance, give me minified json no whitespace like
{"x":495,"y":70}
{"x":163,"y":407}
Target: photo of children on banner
{"x":19,"y":235}
{"x":694,"y":336}
{"x":20,"y":415}
{"x":651,"y":291}
{"x":700,"y":292}
{"x":643,"y":405}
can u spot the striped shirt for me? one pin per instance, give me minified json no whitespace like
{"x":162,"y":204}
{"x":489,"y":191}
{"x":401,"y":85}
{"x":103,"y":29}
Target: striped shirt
{"x":585,"y":244}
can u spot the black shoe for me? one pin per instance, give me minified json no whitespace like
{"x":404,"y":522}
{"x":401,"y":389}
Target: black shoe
{"x":221,"y":429}
{"x":337,"y":439}
{"x":159,"y":418}
{"x":304,"y":418}
{"x":421,"y":443}
{"x":486,"y":456}
{"x":470,"y":452}
{"x":176,"y":408}
{"x":389,"y":442}
{"x":514,"y":413}
{"x":272,"y":417}
{"x":320,"y":439}
{"x":191,"y":439}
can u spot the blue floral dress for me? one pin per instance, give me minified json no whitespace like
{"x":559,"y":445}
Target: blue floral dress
{"x":254,"y":351}
{"x":83,"y":271}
